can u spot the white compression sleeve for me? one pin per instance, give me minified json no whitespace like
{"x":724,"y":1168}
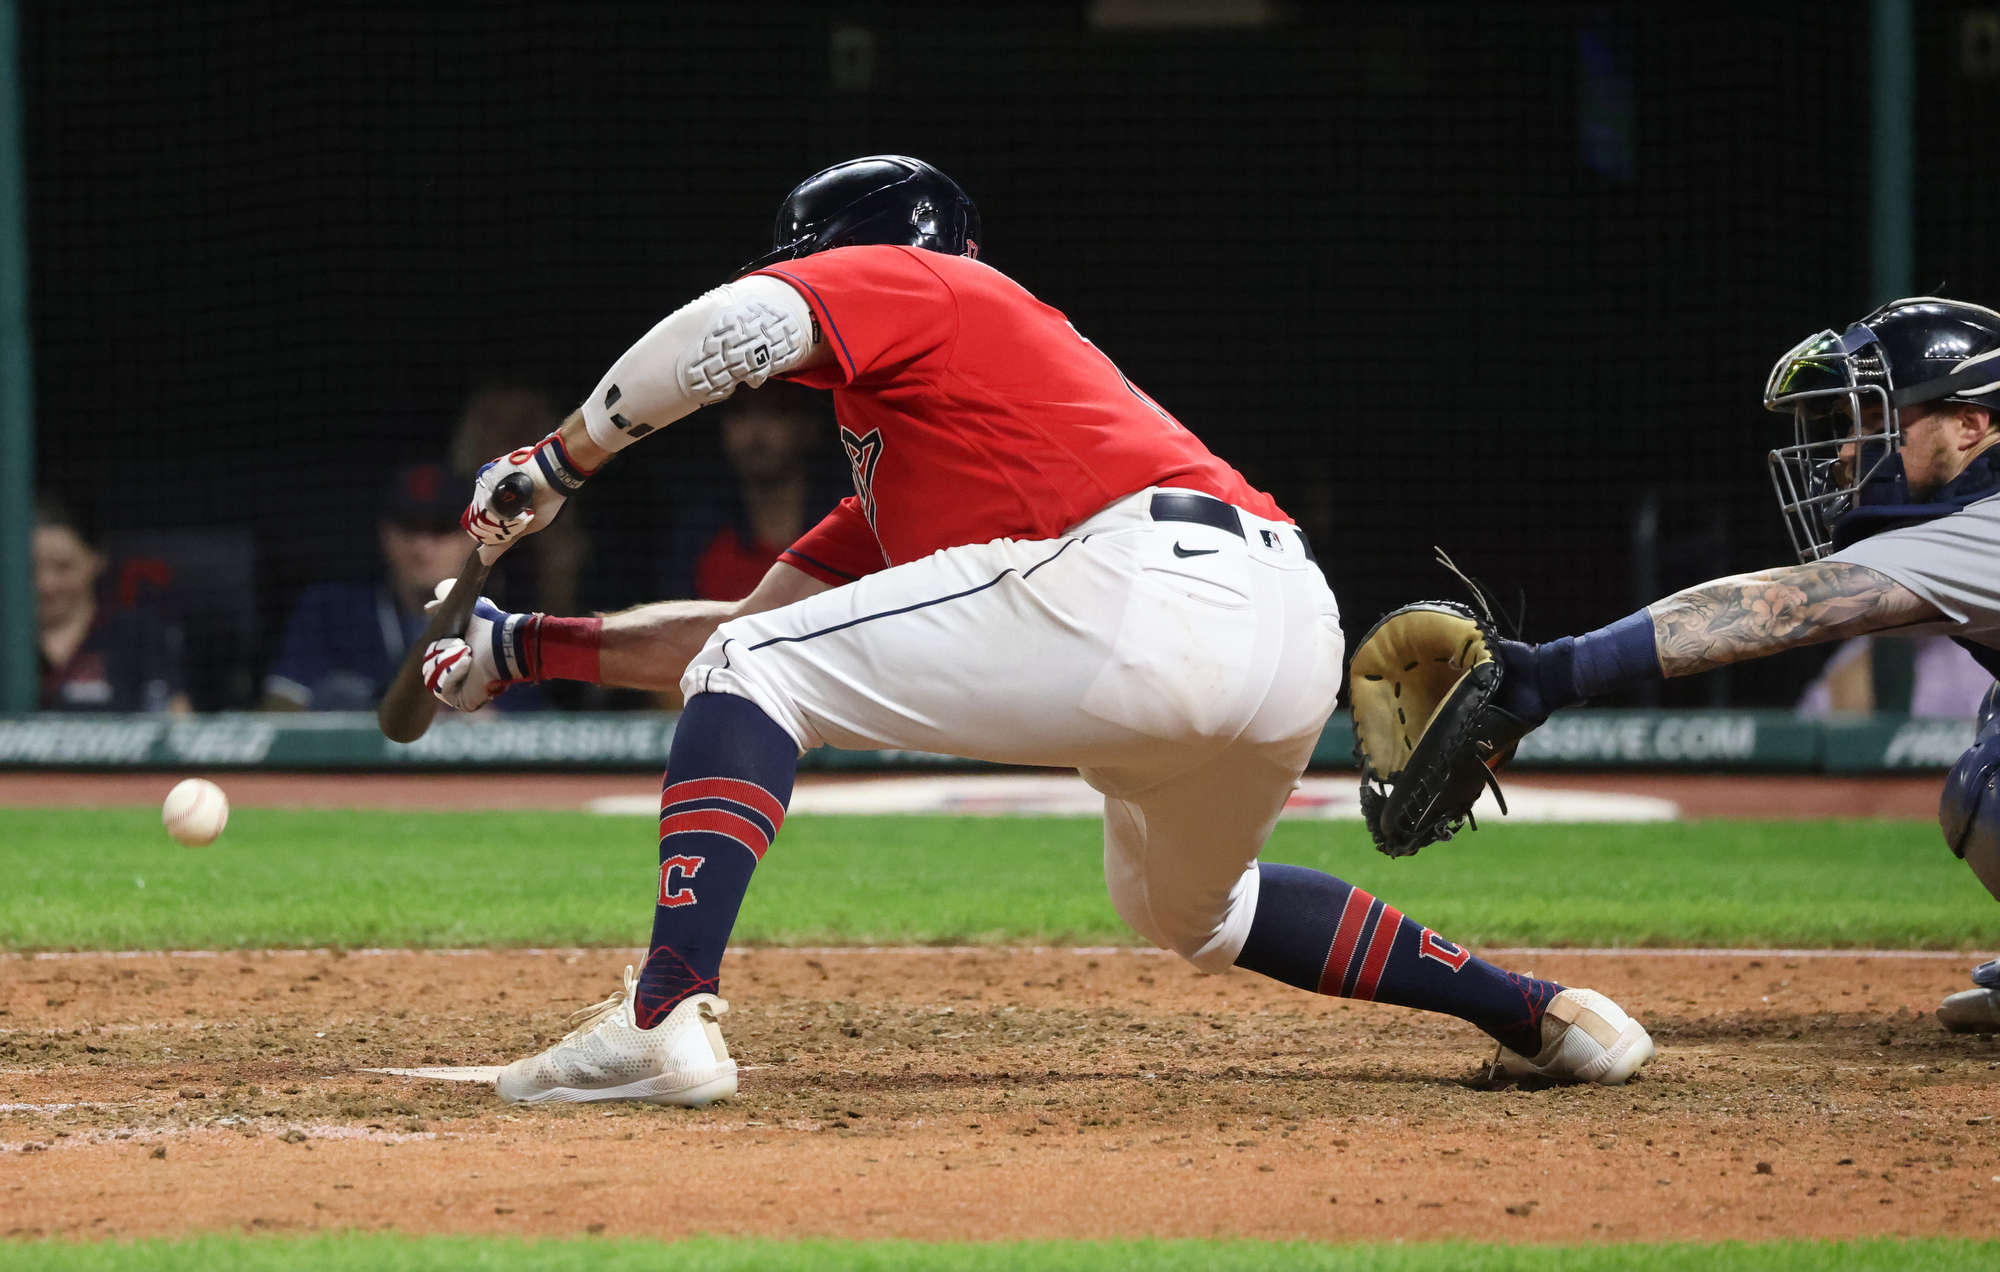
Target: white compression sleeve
{"x":741,"y":333}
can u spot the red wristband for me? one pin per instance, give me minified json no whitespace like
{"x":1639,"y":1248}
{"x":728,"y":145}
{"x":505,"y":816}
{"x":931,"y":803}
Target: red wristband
{"x":563,"y":648}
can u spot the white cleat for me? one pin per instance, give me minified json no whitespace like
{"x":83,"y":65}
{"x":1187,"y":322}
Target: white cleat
{"x":1971,"y":1011}
{"x":1585,"y":1038}
{"x":682,"y":1060}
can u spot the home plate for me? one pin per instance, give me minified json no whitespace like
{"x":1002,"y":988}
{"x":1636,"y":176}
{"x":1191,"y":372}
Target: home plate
{"x":1066,"y":795}
{"x":448,"y":1073}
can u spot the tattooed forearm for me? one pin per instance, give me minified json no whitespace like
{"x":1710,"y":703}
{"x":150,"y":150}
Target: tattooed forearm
{"x":1751,"y":615}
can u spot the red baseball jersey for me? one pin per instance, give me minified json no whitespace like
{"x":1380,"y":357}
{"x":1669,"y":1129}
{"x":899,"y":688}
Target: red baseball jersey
{"x":971,"y":411}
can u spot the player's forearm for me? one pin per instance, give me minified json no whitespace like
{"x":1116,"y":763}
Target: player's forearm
{"x":582,"y":447}
{"x":1721,"y":621}
{"x":650,"y":646}
{"x":1751,"y":615}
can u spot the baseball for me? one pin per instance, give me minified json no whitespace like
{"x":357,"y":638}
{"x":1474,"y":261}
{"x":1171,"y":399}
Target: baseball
{"x":195,"y":812}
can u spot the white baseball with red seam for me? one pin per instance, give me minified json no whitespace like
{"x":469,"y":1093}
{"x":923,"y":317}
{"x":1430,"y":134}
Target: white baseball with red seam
{"x":195,"y":812}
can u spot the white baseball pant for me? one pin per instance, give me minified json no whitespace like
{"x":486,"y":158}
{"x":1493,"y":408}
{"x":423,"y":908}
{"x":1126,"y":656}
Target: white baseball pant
{"x":1183,"y":669}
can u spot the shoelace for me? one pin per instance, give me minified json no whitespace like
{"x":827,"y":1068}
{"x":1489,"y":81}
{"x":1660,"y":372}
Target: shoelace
{"x":583,"y":1021}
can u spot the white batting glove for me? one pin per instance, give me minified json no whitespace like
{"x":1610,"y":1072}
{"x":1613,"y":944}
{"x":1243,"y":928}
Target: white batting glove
{"x":556,"y":477}
{"x":467,"y":673}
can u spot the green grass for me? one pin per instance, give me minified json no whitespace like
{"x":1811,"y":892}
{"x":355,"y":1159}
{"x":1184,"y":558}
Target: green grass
{"x":512,"y":879}
{"x":354,"y":1253}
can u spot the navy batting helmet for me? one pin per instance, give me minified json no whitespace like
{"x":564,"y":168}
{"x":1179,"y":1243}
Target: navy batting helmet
{"x":1837,"y":386}
{"x":880,"y":199}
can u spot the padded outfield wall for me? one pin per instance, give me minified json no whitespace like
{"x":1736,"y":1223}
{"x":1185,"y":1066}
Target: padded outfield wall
{"x":1767,"y":741}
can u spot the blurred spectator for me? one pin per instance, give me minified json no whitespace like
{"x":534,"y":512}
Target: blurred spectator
{"x":540,"y":573}
{"x":344,"y":641}
{"x":95,"y":656}
{"x":1945,"y":682}
{"x":723,"y":545}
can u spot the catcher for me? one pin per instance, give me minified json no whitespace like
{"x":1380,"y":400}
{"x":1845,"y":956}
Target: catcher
{"x":1888,"y":491}
{"x":1039,"y":565}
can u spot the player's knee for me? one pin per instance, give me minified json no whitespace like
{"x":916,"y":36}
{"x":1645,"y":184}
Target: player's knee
{"x":1983,"y":855}
{"x":1969,"y":807}
{"x":1135,"y":904}
{"x":1213,"y":956}
{"x":725,"y":666}
{"x":1208,"y":936}
{"x":1969,"y":810}
{"x":1128,"y":898}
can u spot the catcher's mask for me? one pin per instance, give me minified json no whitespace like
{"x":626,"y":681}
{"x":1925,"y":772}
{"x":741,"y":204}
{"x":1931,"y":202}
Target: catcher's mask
{"x":1849,"y":394}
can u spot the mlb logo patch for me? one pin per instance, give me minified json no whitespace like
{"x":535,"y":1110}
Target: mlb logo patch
{"x":1272,"y":541}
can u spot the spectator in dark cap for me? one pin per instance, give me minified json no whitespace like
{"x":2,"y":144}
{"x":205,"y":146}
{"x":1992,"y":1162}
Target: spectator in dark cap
{"x":344,"y":641}
{"x":95,"y":656}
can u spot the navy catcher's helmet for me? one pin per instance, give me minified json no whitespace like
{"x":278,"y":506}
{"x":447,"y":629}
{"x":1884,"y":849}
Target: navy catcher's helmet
{"x":880,"y":199}
{"x":1904,"y":354}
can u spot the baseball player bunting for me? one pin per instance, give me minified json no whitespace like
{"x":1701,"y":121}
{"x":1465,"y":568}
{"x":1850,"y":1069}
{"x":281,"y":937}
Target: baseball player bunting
{"x":1040,"y":566}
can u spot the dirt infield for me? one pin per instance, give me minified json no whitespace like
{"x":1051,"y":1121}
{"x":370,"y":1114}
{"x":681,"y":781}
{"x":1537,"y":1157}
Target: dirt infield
{"x":1779,"y":797}
{"x":984,"y":1094}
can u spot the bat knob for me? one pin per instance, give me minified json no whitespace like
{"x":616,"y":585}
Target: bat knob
{"x":513,"y":493}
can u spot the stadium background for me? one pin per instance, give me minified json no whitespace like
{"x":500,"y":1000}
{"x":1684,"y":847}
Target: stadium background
{"x":1496,"y":278}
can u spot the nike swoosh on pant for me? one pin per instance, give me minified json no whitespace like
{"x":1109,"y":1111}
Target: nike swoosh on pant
{"x":1180,"y":551}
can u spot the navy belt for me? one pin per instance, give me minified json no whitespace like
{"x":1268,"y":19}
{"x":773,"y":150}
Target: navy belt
{"x":1207,"y":510}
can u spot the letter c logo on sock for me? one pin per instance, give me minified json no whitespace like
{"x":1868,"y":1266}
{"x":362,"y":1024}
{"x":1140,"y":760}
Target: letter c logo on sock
{"x":673,"y":895}
{"x":1435,"y":946}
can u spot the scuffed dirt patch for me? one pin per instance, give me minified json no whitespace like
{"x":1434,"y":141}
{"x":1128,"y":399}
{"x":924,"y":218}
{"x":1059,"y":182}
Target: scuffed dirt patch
{"x":984,"y":1094}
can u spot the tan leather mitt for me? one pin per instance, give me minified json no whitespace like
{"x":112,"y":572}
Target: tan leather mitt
{"x":1427,"y":734}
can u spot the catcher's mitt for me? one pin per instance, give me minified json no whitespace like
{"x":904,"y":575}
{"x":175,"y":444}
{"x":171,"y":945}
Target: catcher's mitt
{"x":1426,"y":731}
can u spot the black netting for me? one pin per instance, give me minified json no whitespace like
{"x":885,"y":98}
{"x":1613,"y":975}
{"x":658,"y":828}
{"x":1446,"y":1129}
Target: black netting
{"x":1501,"y":278}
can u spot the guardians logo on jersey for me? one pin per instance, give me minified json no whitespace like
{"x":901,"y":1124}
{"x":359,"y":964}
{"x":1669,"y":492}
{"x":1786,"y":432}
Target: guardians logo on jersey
{"x":864,"y":452}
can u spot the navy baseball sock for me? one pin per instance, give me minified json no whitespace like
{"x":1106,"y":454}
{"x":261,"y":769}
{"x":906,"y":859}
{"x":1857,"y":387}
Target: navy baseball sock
{"x":729,"y":778}
{"x":1318,"y":933}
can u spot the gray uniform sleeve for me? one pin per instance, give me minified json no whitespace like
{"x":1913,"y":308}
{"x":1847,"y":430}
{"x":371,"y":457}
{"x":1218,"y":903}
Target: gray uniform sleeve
{"x":1953,"y":562}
